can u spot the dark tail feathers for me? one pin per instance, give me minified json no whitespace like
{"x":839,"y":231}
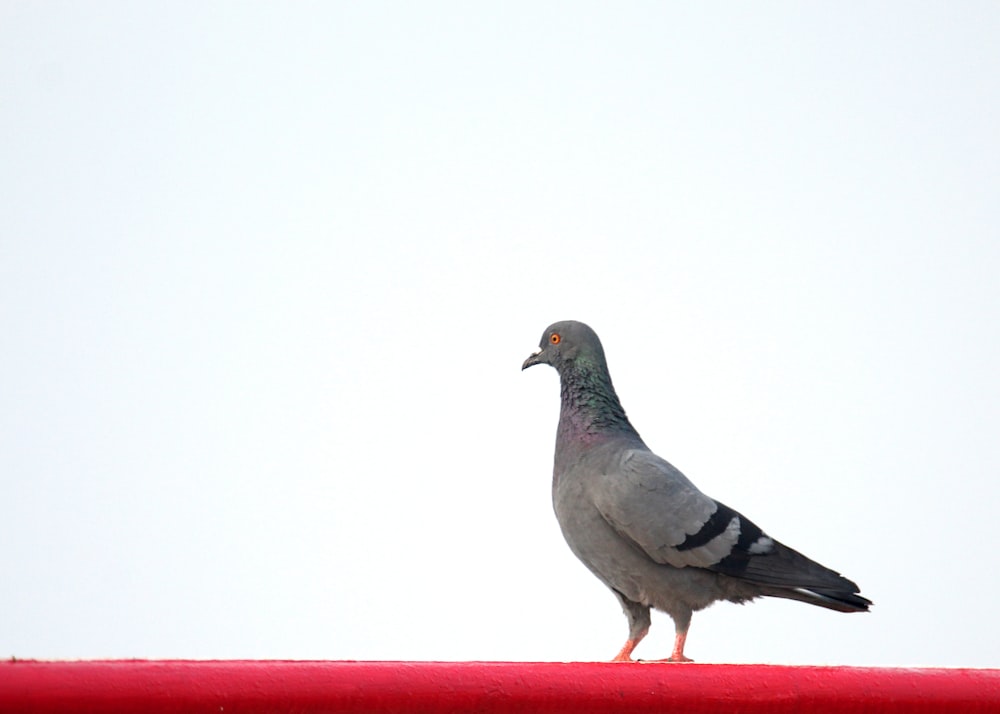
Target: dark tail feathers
{"x":839,"y":600}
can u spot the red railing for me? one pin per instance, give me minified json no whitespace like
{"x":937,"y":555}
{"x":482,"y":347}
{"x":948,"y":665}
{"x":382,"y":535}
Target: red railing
{"x":248,"y":687}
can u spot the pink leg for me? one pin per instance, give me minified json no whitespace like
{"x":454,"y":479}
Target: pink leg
{"x":679,"y":639}
{"x":638,"y":626}
{"x":625,"y":654}
{"x":678,"y":654}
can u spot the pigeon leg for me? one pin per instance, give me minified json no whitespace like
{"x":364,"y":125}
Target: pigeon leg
{"x":678,"y":654}
{"x":638,"y":626}
{"x":625,"y":654}
{"x":681,"y":625}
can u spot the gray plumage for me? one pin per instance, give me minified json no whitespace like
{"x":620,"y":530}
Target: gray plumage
{"x":642,"y":527}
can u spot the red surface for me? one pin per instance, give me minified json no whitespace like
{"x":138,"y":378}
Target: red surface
{"x":153,"y":687}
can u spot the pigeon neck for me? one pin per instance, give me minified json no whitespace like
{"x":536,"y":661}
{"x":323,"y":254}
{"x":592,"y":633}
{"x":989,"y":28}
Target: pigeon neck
{"x":590,"y":406}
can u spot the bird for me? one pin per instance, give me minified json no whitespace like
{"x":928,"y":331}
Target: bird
{"x":642,"y":527}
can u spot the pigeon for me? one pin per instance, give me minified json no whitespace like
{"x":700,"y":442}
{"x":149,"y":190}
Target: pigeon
{"x":642,"y":527}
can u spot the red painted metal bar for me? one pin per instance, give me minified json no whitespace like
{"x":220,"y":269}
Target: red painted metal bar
{"x":249,"y":687}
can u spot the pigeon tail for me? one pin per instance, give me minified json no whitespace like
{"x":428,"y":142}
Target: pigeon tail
{"x":839,"y":600}
{"x":786,"y":573}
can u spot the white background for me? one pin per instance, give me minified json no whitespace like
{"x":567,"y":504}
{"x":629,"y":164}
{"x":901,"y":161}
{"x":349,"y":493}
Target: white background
{"x":268,"y":273}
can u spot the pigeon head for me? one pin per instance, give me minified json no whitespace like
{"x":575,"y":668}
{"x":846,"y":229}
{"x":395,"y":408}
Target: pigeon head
{"x":567,"y":344}
{"x":590,"y":406}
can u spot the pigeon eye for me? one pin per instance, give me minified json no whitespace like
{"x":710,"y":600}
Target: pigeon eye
{"x":555,"y":338}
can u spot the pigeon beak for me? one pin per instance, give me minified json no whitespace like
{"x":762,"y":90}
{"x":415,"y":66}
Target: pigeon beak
{"x":535,"y":358}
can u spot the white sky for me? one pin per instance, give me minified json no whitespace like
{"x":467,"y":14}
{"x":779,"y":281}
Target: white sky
{"x":268,"y":273}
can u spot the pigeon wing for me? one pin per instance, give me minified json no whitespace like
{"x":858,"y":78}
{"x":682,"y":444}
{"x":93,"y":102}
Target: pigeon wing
{"x":655,"y":506}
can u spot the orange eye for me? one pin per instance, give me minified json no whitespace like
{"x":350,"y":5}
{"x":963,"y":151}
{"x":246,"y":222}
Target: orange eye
{"x":555,"y":338}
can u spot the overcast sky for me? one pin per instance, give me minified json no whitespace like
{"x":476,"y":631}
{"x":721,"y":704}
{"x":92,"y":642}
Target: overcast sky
{"x":268,"y":272}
